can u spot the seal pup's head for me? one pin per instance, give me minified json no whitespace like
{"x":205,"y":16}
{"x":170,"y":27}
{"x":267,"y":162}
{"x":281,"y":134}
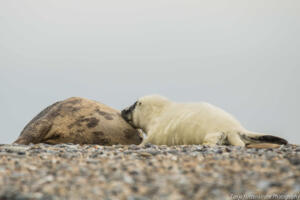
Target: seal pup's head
{"x":144,"y":111}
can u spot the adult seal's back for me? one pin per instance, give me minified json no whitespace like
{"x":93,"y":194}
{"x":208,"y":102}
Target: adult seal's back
{"x":79,"y":121}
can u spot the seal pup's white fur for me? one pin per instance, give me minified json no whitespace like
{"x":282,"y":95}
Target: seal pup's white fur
{"x":171,"y":123}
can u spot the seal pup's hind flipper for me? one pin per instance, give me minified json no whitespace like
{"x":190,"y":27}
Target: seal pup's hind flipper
{"x":256,"y":138}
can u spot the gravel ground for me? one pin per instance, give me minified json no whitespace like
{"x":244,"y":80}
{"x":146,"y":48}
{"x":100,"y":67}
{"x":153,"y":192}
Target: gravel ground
{"x":151,"y":172}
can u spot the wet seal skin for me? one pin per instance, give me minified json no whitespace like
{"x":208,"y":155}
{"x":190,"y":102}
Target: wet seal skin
{"x":79,"y":121}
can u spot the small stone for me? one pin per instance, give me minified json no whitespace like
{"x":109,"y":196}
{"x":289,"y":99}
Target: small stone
{"x":199,"y":148}
{"x":263,"y":184}
{"x":148,"y":145}
{"x":295,"y":161}
{"x":145,"y":154}
{"x":227,"y":149}
{"x":128,"y":179}
{"x":152,"y":152}
{"x":133,"y":147}
{"x":219,"y":151}
{"x":172,"y":151}
{"x":275,"y":184}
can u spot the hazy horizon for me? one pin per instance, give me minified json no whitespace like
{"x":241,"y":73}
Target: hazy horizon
{"x":241,"y":56}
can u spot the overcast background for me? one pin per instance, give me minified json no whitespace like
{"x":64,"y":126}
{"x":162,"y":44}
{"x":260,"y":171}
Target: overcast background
{"x":243,"y":56}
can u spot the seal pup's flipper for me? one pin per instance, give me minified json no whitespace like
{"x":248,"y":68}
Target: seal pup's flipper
{"x":235,"y":139}
{"x":217,"y":138}
{"x":255,"y":138}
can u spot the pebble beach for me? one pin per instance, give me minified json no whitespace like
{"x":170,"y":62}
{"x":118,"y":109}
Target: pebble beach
{"x":133,"y":172}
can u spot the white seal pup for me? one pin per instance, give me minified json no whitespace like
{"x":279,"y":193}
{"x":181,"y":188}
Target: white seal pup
{"x":171,"y":123}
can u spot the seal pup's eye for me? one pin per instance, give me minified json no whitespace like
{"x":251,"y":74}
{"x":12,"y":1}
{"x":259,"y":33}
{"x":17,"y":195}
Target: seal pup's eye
{"x":140,"y":103}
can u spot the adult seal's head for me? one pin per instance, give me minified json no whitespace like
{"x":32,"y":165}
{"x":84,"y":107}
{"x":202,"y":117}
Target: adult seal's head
{"x":79,"y":121}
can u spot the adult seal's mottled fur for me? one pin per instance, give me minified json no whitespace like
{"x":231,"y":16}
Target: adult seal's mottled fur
{"x":79,"y":121}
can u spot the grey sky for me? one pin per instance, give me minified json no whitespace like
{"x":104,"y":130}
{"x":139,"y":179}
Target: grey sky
{"x":243,"y":56}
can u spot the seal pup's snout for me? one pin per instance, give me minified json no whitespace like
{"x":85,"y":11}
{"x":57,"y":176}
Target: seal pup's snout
{"x":127,"y":113}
